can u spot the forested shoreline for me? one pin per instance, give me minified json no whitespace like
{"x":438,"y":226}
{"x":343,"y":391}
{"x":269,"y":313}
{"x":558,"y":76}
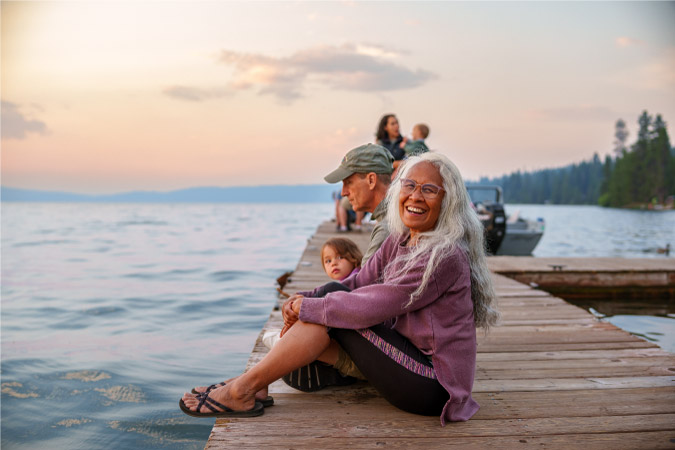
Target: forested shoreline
{"x":641,"y":175}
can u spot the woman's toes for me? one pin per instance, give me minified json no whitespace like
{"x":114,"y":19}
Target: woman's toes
{"x":190,"y":400}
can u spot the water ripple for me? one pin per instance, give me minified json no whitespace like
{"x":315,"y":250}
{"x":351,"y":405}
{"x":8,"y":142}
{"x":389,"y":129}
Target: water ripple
{"x":227,"y":275}
{"x":44,"y":243}
{"x":156,"y":223}
{"x":105,"y":310}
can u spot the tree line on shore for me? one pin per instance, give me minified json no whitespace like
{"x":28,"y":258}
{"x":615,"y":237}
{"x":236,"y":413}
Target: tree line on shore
{"x":635,"y":176}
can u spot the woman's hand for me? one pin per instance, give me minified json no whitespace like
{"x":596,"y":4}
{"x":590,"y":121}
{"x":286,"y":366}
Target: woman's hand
{"x":291,"y":312}
{"x":296,"y":305}
{"x":287,"y":309}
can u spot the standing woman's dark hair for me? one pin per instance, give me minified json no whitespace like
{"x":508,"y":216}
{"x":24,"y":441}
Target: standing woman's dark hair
{"x":389,"y":137}
{"x":381,"y":132}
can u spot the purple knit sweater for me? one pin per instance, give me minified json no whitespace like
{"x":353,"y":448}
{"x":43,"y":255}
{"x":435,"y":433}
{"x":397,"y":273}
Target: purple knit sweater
{"x":440,"y":321}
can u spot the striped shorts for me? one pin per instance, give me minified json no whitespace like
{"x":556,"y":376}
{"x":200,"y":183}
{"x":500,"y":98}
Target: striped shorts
{"x":399,"y":371}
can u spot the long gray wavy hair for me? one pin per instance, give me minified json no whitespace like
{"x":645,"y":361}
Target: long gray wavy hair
{"x":457,"y":225}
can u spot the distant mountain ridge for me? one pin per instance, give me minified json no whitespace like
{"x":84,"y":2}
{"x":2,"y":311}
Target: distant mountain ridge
{"x":318,"y":193}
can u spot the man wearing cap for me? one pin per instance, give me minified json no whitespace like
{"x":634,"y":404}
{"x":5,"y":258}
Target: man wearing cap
{"x":365,"y":173}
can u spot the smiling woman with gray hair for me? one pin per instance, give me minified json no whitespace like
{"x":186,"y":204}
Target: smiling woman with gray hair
{"x":407,"y":320}
{"x":457,"y":227}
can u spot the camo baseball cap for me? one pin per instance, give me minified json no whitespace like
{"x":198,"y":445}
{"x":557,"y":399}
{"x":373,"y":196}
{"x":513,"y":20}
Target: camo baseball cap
{"x":364,"y":159}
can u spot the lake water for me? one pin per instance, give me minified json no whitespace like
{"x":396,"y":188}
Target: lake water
{"x":111,"y":312}
{"x":591,"y":231}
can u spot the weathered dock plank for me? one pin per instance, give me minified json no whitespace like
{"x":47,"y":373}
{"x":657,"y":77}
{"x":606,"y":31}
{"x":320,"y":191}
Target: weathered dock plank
{"x":550,"y":375}
{"x":592,"y":277}
{"x":531,"y":264}
{"x":616,"y":441}
{"x":388,"y":422}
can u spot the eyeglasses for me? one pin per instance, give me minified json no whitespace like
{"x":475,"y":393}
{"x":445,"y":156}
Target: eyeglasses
{"x":428,"y":190}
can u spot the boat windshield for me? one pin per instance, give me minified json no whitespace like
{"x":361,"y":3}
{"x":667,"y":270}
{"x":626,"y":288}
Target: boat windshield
{"x":484,"y":194}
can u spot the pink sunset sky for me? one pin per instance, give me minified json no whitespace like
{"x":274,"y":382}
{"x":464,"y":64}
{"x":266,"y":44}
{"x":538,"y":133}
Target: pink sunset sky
{"x":106,"y":97}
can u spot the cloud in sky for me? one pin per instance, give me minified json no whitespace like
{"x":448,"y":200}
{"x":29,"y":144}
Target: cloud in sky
{"x":194,"y":94}
{"x":625,"y":41}
{"x":348,"y":67}
{"x":659,"y":73}
{"x":16,"y":126}
{"x":654,"y":74}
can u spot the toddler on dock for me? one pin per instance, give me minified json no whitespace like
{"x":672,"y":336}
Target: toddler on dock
{"x":340,"y":258}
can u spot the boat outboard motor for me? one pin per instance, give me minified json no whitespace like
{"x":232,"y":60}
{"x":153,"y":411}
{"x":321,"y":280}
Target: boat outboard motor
{"x":495,"y":226}
{"x":487,"y":200}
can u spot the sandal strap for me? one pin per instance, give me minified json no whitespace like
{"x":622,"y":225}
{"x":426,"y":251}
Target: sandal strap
{"x":205,"y":400}
{"x":214,"y":386}
{"x":202,"y":401}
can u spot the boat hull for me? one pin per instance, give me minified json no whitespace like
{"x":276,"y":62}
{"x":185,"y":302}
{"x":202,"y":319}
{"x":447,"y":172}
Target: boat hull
{"x":519,"y":242}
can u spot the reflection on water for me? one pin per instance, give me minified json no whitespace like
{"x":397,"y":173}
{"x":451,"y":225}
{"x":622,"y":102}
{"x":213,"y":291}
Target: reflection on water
{"x":650,"y":319}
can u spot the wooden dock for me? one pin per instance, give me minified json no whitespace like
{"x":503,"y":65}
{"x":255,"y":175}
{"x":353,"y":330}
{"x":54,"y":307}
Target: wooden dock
{"x":551,"y":376}
{"x":617,"y":278}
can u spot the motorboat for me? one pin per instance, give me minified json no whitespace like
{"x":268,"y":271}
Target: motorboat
{"x":513,"y":235}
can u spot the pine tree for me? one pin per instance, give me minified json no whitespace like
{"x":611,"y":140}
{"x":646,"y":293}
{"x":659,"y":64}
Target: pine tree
{"x":640,"y":166}
{"x":643,"y":174}
{"x":621,"y":181}
{"x":621,"y":135}
{"x":661,"y":154}
{"x":607,"y":168}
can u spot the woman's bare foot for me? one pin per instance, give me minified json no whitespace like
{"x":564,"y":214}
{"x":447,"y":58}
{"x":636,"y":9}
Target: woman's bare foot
{"x":260,"y":395}
{"x":228,"y":395}
{"x":200,"y":389}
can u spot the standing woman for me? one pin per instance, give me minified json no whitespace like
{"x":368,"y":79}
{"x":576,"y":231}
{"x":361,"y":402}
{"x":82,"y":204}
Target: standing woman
{"x":389,"y":137}
{"x":407,"y":320}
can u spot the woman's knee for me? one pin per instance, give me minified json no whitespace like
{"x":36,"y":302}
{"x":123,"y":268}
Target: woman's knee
{"x":309,"y":331}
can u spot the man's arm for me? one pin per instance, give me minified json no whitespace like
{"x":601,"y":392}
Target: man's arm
{"x":377,"y":237}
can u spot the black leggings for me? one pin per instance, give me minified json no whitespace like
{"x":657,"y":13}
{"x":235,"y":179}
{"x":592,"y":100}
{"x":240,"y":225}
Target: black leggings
{"x":398,"y":384}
